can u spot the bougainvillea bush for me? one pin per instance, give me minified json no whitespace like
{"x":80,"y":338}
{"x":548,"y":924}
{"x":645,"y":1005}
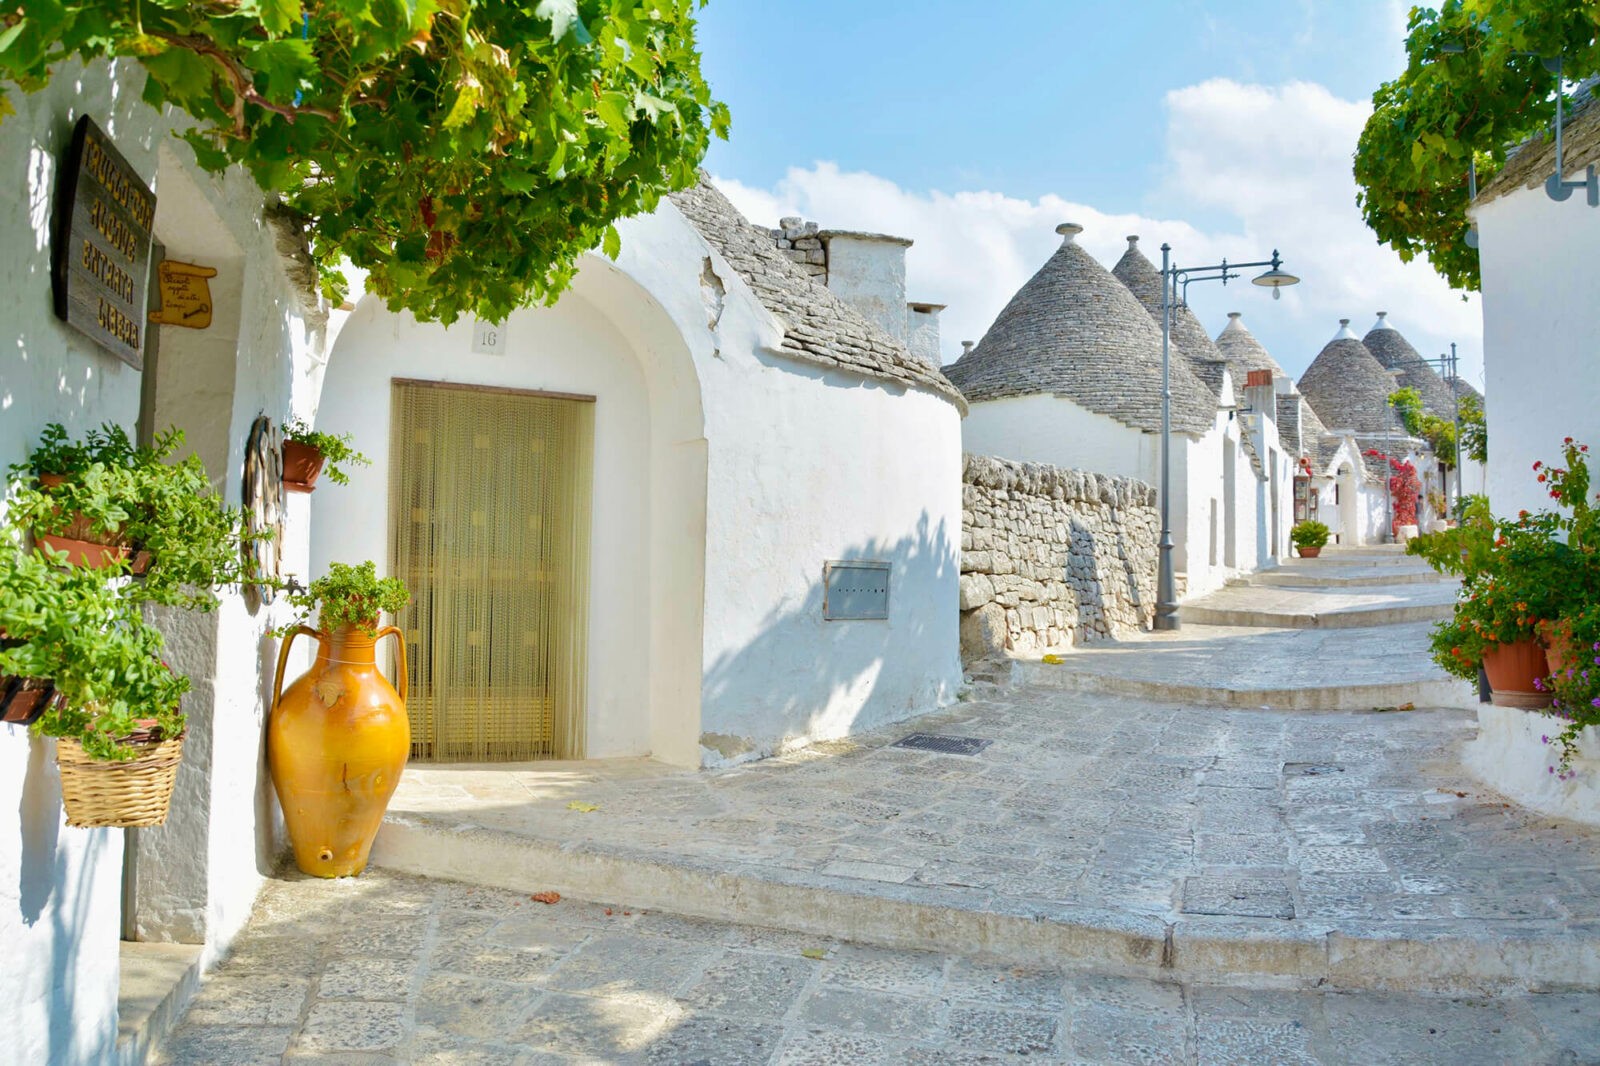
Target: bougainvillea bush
{"x":1404,"y":487}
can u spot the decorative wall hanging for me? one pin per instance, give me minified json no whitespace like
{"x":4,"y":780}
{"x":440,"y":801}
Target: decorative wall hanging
{"x":185,"y":296}
{"x":263,"y":507}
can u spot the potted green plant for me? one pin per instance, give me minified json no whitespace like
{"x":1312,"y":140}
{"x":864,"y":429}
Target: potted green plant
{"x":144,"y":501}
{"x":1518,"y":576}
{"x":1309,"y":536}
{"x":77,"y":510}
{"x":306,"y":451}
{"x":117,"y":722}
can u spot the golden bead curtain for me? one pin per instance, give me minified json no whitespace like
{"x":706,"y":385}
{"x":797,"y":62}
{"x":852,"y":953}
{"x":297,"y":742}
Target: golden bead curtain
{"x":489,"y":504}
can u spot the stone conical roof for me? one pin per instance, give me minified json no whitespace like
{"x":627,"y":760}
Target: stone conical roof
{"x":1391,"y":349}
{"x":1349,"y":388}
{"x":1243,"y":352}
{"x":1076,"y":331}
{"x":1188,"y":336}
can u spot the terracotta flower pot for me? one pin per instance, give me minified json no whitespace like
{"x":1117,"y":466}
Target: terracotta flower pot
{"x":1558,"y":651}
{"x":84,"y":544}
{"x":1512,"y":670}
{"x":337,"y":741}
{"x":301,"y":465}
{"x":24,"y":699}
{"x":1309,"y":553}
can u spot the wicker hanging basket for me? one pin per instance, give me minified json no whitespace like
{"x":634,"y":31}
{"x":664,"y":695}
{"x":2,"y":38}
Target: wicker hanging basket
{"x":124,"y":794}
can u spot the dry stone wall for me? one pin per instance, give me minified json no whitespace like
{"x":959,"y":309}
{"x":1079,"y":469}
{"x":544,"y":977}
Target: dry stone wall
{"x":1052,"y":557}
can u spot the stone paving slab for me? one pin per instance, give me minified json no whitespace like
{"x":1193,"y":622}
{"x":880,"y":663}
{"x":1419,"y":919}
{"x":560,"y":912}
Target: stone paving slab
{"x":1245,"y":666}
{"x":1322,"y":607}
{"x":1142,"y":835}
{"x":388,"y":969}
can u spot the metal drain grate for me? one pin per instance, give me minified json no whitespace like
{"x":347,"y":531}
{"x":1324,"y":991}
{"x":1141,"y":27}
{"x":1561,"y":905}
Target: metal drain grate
{"x":944,"y":744}
{"x":1310,"y":769}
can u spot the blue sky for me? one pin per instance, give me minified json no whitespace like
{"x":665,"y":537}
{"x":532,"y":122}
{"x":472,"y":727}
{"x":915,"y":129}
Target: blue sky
{"x":1225,"y":128}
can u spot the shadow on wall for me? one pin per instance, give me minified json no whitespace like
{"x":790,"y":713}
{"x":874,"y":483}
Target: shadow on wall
{"x":59,"y":890}
{"x":805,"y":679}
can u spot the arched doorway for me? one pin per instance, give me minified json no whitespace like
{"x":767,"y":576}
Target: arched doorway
{"x":608,"y":343}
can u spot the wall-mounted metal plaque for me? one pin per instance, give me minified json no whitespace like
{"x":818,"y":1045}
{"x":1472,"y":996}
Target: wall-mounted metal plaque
{"x":100,"y":259}
{"x":852,"y":589}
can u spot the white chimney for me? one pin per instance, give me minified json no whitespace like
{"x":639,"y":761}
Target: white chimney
{"x":868,"y":272}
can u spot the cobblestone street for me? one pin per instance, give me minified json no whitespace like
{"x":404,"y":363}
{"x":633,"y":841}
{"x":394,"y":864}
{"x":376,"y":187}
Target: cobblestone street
{"x":394,"y":969}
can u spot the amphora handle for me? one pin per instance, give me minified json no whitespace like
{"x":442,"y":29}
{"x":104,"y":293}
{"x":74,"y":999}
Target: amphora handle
{"x":400,"y":655}
{"x":283,"y":657}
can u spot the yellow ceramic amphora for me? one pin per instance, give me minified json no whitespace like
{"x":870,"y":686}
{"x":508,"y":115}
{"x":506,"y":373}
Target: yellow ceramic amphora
{"x":337,"y":740}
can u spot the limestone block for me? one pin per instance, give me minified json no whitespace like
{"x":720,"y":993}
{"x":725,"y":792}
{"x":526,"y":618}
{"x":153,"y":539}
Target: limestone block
{"x":983,"y":633}
{"x":976,"y":590}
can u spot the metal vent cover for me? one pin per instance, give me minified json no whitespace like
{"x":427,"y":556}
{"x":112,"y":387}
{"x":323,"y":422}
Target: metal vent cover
{"x":855,"y":590}
{"x":943,"y":743}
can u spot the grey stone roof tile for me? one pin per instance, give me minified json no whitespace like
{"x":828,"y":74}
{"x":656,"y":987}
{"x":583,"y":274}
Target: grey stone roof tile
{"x":1076,"y":331}
{"x":1464,"y":388}
{"x":1349,"y":389}
{"x":1288,"y":414}
{"x":1243,"y":352}
{"x":1390,"y":348}
{"x":1189,"y":337}
{"x":819,"y":328}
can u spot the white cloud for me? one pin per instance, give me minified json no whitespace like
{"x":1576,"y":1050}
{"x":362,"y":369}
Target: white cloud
{"x":1268,"y":166}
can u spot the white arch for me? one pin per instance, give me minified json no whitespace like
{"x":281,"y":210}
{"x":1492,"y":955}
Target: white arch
{"x":626,"y":333}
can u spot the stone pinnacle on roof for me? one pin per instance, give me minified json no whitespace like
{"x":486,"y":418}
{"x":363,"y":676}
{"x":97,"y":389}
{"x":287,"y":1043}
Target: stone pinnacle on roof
{"x":1243,"y":352}
{"x":1189,"y":337}
{"x":1394,"y":352}
{"x":1075,"y":330}
{"x":1349,"y":389}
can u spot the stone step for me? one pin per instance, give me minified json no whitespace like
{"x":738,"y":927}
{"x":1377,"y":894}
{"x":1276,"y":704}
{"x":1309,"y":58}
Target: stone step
{"x":155,"y":984}
{"x":1342,"y":618}
{"x":1017,"y":932}
{"x":1326,"y":561}
{"x":1436,"y":690}
{"x":1343,"y":577}
{"x":1326,"y":607}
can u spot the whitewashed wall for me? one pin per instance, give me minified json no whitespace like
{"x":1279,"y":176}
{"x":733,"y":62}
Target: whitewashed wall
{"x":60,"y":888}
{"x":804,"y":469}
{"x":1540,"y":325}
{"x":1054,"y":430}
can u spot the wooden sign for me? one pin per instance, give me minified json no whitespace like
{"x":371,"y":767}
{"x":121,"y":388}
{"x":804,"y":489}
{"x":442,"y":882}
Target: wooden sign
{"x":1257,"y":378}
{"x":100,"y":262}
{"x":185,"y":296}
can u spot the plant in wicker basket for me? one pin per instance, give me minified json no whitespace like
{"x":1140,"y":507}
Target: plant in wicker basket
{"x":117,"y":721}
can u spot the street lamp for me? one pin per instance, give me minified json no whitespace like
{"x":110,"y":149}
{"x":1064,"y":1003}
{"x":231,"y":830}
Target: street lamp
{"x":1275,"y":278}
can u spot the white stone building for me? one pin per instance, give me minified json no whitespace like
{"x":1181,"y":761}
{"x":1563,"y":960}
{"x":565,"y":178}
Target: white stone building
{"x":1070,"y":375}
{"x":749,"y":429}
{"x":1540,"y":316}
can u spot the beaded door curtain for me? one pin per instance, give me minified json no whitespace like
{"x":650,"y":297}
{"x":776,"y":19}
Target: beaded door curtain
{"x":489,"y":505}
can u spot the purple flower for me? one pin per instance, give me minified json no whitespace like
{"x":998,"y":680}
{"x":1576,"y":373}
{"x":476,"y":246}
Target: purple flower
{"x":1544,"y":739}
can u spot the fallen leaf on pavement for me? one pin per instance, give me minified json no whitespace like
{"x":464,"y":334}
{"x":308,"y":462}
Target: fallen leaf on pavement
{"x":582,"y":807}
{"x":814,"y":953}
{"x":546,"y":897}
{"x":1053,"y":660}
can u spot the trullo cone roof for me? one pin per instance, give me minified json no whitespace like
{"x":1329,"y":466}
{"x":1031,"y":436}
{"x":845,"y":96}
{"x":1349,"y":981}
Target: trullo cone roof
{"x":1349,"y":389}
{"x":1076,"y":331}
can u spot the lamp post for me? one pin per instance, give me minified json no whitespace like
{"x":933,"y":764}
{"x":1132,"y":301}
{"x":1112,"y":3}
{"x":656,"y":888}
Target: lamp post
{"x":1274,"y":278}
{"x":1449,"y":366}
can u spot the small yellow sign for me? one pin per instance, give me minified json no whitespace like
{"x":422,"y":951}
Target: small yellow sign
{"x":185,"y":296}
